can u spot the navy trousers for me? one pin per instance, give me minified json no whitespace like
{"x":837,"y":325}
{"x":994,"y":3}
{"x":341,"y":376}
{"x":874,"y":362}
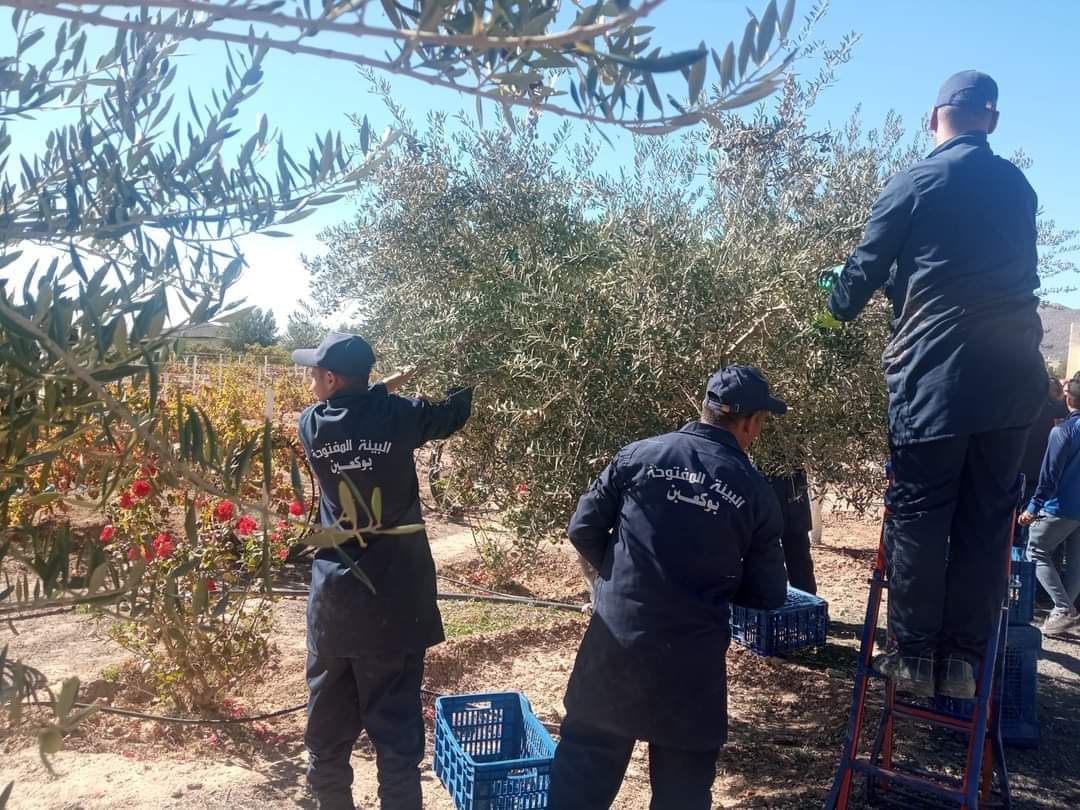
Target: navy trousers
{"x":791,"y":491}
{"x":590,"y":764}
{"x":946,"y":538}
{"x":379,"y":694}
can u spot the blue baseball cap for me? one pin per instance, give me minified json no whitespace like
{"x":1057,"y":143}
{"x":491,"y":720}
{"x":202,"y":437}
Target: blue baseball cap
{"x":347,"y":355}
{"x":741,"y":390}
{"x":968,"y":88}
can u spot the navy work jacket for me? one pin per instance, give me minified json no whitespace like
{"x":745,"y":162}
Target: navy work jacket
{"x":369,"y":436}
{"x":1058,"y":492}
{"x":952,"y":241}
{"x":678,"y":526}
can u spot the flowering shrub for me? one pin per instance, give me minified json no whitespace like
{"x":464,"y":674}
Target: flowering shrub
{"x":197,"y":623}
{"x":197,"y":626}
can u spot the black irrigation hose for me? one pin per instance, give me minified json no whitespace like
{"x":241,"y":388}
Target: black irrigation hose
{"x":24,"y":616}
{"x":464,"y":584}
{"x":225,"y":721}
{"x":512,"y":600}
{"x":493,"y":596}
{"x":192,"y":721}
{"x":487,"y":596}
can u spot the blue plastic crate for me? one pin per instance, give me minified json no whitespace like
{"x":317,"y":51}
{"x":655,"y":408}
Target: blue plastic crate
{"x":491,"y":753}
{"x":1021,"y":589}
{"x":803,"y":621}
{"x":1019,"y":697}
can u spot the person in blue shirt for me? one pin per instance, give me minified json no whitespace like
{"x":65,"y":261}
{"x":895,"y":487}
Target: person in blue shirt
{"x":1052,"y":412}
{"x":951,"y":240}
{"x":1053,"y":516}
{"x":678,"y":526}
{"x":366,"y":640}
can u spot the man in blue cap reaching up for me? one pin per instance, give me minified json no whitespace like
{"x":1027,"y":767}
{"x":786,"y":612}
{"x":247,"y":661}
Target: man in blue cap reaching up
{"x":952,"y":242}
{"x":366,"y":640}
{"x":678,"y":526}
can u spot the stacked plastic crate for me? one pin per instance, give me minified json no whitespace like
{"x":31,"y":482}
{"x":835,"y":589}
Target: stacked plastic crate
{"x":1019,"y":673}
{"x":1019,"y":704}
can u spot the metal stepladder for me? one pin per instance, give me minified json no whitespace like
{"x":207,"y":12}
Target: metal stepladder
{"x":888,"y":779}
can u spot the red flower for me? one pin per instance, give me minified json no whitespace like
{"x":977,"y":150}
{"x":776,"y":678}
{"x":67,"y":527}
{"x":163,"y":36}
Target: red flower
{"x":126,"y":501}
{"x":224,"y":510}
{"x":522,"y":490}
{"x":149,"y":470}
{"x":296,"y":508}
{"x":140,"y":488}
{"x":164,"y":545}
{"x":133,"y":552}
{"x":283,"y":553}
{"x":211,"y":585}
{"x":107,"y":534}
{"x":246,"y":525}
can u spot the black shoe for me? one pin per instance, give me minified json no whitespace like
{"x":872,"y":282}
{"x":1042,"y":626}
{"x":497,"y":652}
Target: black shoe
{"x":911,"y":673}
{"x":334,"y":801}
{"x":955,"y":678}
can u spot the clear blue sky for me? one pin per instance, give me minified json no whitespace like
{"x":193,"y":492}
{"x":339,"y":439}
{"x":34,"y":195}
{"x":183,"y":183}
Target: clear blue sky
{"x":907,"y":48}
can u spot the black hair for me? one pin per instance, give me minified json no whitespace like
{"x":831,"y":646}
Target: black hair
{"x":1072,"y":388}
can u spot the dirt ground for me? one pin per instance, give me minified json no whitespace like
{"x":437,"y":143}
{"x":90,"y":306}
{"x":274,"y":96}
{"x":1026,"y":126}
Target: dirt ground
{"x":787,"y":715}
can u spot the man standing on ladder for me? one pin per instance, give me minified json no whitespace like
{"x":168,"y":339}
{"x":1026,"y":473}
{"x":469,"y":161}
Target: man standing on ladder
{"x":952,"y":241}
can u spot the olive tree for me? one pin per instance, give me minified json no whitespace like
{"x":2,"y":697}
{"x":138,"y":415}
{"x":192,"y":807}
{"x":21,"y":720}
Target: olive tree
{"x":118,"y":225}
{"x":590,"y":308}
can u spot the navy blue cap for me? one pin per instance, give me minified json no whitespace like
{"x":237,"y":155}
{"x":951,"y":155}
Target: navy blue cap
{"x":968,"y":88}
{"x":741,"y":390}
{"x":347,"y":355}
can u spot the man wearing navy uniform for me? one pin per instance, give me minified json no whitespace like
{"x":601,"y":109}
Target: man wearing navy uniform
{"x":678,"y":527}
{"x":952,"y":242}
{"x":366,"y":644}
{"x":793,"y":493}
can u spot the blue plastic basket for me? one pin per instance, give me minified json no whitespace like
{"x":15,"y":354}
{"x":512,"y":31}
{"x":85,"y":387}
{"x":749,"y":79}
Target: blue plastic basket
{"x":1021,"y":589}
{"x":491,"y":753}
{"x":803,"y":621}
{"x":1019,"y":699}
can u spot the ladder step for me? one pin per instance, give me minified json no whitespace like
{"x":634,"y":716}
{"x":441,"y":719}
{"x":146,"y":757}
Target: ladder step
{"x":915,"y":712}
{"x":920,"y":783}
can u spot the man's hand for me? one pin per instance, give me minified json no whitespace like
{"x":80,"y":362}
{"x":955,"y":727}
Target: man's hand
{"x":1026,"y":518}
{"x":399,"y":378}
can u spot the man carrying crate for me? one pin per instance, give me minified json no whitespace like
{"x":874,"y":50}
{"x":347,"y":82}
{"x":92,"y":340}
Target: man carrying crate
{"x":678,"y":527}
{"x":366,"y":644}
{"x":952,"y":241}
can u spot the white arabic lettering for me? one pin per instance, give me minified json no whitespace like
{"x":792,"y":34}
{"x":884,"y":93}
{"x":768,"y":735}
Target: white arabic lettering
{"x":357,"y":463}
{"x":728,"y":494}
{"x":334,"y":449}
{"x":700,"y":500}
{"x":675,"y":474}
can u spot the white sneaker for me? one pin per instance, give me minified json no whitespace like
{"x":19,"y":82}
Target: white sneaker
{"x":1061,"y":622}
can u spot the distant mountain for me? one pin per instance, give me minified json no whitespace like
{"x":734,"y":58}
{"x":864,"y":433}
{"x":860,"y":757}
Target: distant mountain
{"x":1056,"y":319}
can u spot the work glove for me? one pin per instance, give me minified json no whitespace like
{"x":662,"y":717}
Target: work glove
{"x":827,"y":278}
